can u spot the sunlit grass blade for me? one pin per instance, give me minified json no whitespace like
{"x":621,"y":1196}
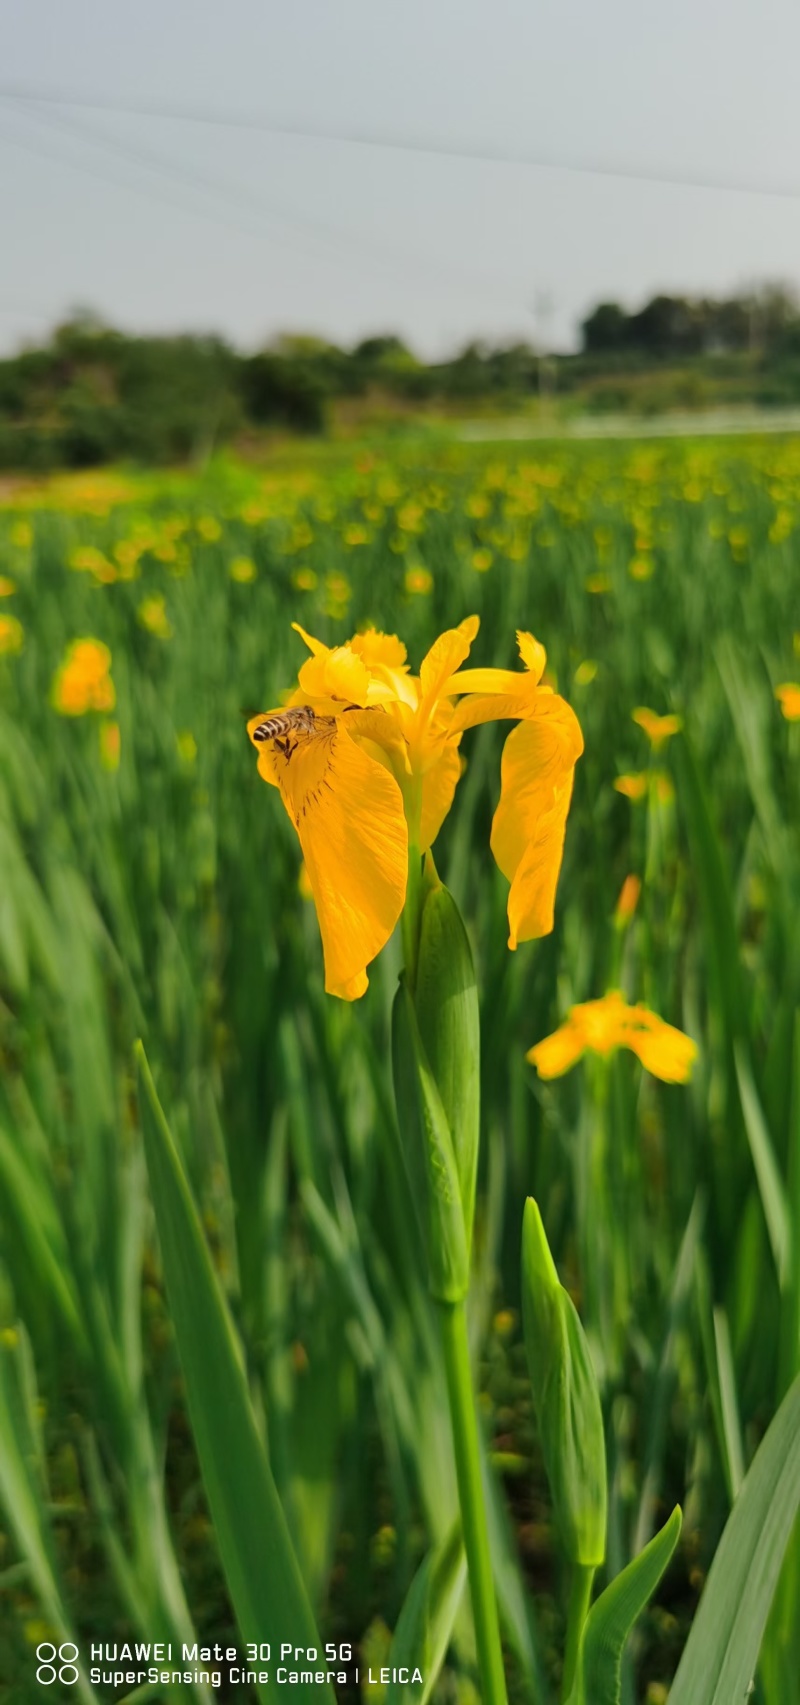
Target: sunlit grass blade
{"x":256,"y":1551}
{"x":770,"y":1183}
{"x":24,"y":1495}
{"x":721,"y":1653}
{"x":729,"y":1403}
{"x":599,"y":1677}
{"x":425,"y":1624}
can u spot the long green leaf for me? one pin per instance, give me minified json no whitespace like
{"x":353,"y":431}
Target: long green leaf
{"x":722,"y":1650}
{"x":261,"y":1569}
{"x":770,"y":1183}
{"x":425,"y":1624}
{"x":429,"y":1154}
{"x":611,"y":1618}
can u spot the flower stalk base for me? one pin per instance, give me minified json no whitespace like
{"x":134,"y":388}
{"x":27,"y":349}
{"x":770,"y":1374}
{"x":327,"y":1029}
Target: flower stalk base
{"x":467,"y":1449}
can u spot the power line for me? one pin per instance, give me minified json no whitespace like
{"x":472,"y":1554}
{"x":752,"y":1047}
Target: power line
{"x":345,"y":244}
{"x":395,"y":141}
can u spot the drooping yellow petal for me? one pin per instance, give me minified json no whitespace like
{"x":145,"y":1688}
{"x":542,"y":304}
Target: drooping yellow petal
{"x":555,"y":1054}
{"x":663,"y":1050}
{"x":530,"y":821}
{"x":444,"y":657}
{"x":438,"y":787}
{"x":348,"y":812}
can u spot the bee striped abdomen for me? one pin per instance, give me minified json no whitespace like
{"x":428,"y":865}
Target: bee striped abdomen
{"x":299,"y":719}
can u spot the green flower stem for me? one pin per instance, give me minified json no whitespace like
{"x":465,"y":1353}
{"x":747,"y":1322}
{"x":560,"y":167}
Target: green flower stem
{"x":412,"y":914}
{"x":580,"y":1597}
{"x":470,"y":1491}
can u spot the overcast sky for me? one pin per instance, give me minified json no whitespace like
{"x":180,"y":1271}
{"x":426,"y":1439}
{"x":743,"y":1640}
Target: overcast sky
{"x":161,"y":225}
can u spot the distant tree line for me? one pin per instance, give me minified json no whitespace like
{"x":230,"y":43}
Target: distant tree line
{"x":92,"y":394}
{"x":672,"y":327}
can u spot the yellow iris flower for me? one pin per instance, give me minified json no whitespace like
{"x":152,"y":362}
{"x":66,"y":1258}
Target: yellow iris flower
{"x":788,"y":696}
{"x":365,"y":756}
{"x":83,"y":681}
{"x":657,"y":728}
{"x":603,"y":1025}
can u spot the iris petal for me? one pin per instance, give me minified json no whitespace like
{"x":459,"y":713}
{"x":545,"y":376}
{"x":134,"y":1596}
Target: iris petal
{"x":337,"y":674}
{"x":438,"y":787}
{"x":663,"y":1050}
{"x":530,"y":821}
{"x":555,"y":1054}
{"x":348,"y":812}
{"x":444,"y":657}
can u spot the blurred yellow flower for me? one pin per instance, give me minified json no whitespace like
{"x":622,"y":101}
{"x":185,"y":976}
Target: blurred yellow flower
{"x":12,"y":635}
{"x":628,"y":900}
{"x":127,"y":553}
{"x":657,"y":728}
{"x":153,"y":616}
{"x":242,"y":569}
{"x":110,"y":745}
{"x":482,"y":560}
{"x":788,"y":696}
{"x":585,"y":672}
{"x":304,"y":579}
{"x":7,"y":587}
{"x":633,"y":786}
{"x":641,"y":567}
{"x":338,"y":593}
{"x":254,"y":513}
{"x":88,"y":560}
{"x":599,"y":582}
{"x":419,"y":580}
{"x":22,"y":534}
{"x":603,"y":1025}
{"x":355,"y":535}
{"x":410,"y":518}
{"x":209,"y":528}
{"x":365,"y":756}
{"x":83,"y":680}
{"x":187,"y":746}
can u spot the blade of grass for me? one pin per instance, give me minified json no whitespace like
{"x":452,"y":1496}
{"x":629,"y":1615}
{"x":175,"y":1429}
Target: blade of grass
{"x":721,"y":1653}
{"x":260,"y":1565}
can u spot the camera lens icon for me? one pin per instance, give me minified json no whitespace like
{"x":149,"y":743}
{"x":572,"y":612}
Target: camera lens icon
{"x":57,"y":1663}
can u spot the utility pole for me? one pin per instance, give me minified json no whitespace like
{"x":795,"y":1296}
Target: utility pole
{"x":543,"y":307}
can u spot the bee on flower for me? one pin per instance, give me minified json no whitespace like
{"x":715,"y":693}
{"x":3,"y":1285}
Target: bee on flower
{"x":366,"y":758}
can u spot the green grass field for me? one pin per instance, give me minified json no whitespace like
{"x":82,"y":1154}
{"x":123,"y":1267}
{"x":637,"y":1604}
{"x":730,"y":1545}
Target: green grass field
{"x":150,"y":886}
